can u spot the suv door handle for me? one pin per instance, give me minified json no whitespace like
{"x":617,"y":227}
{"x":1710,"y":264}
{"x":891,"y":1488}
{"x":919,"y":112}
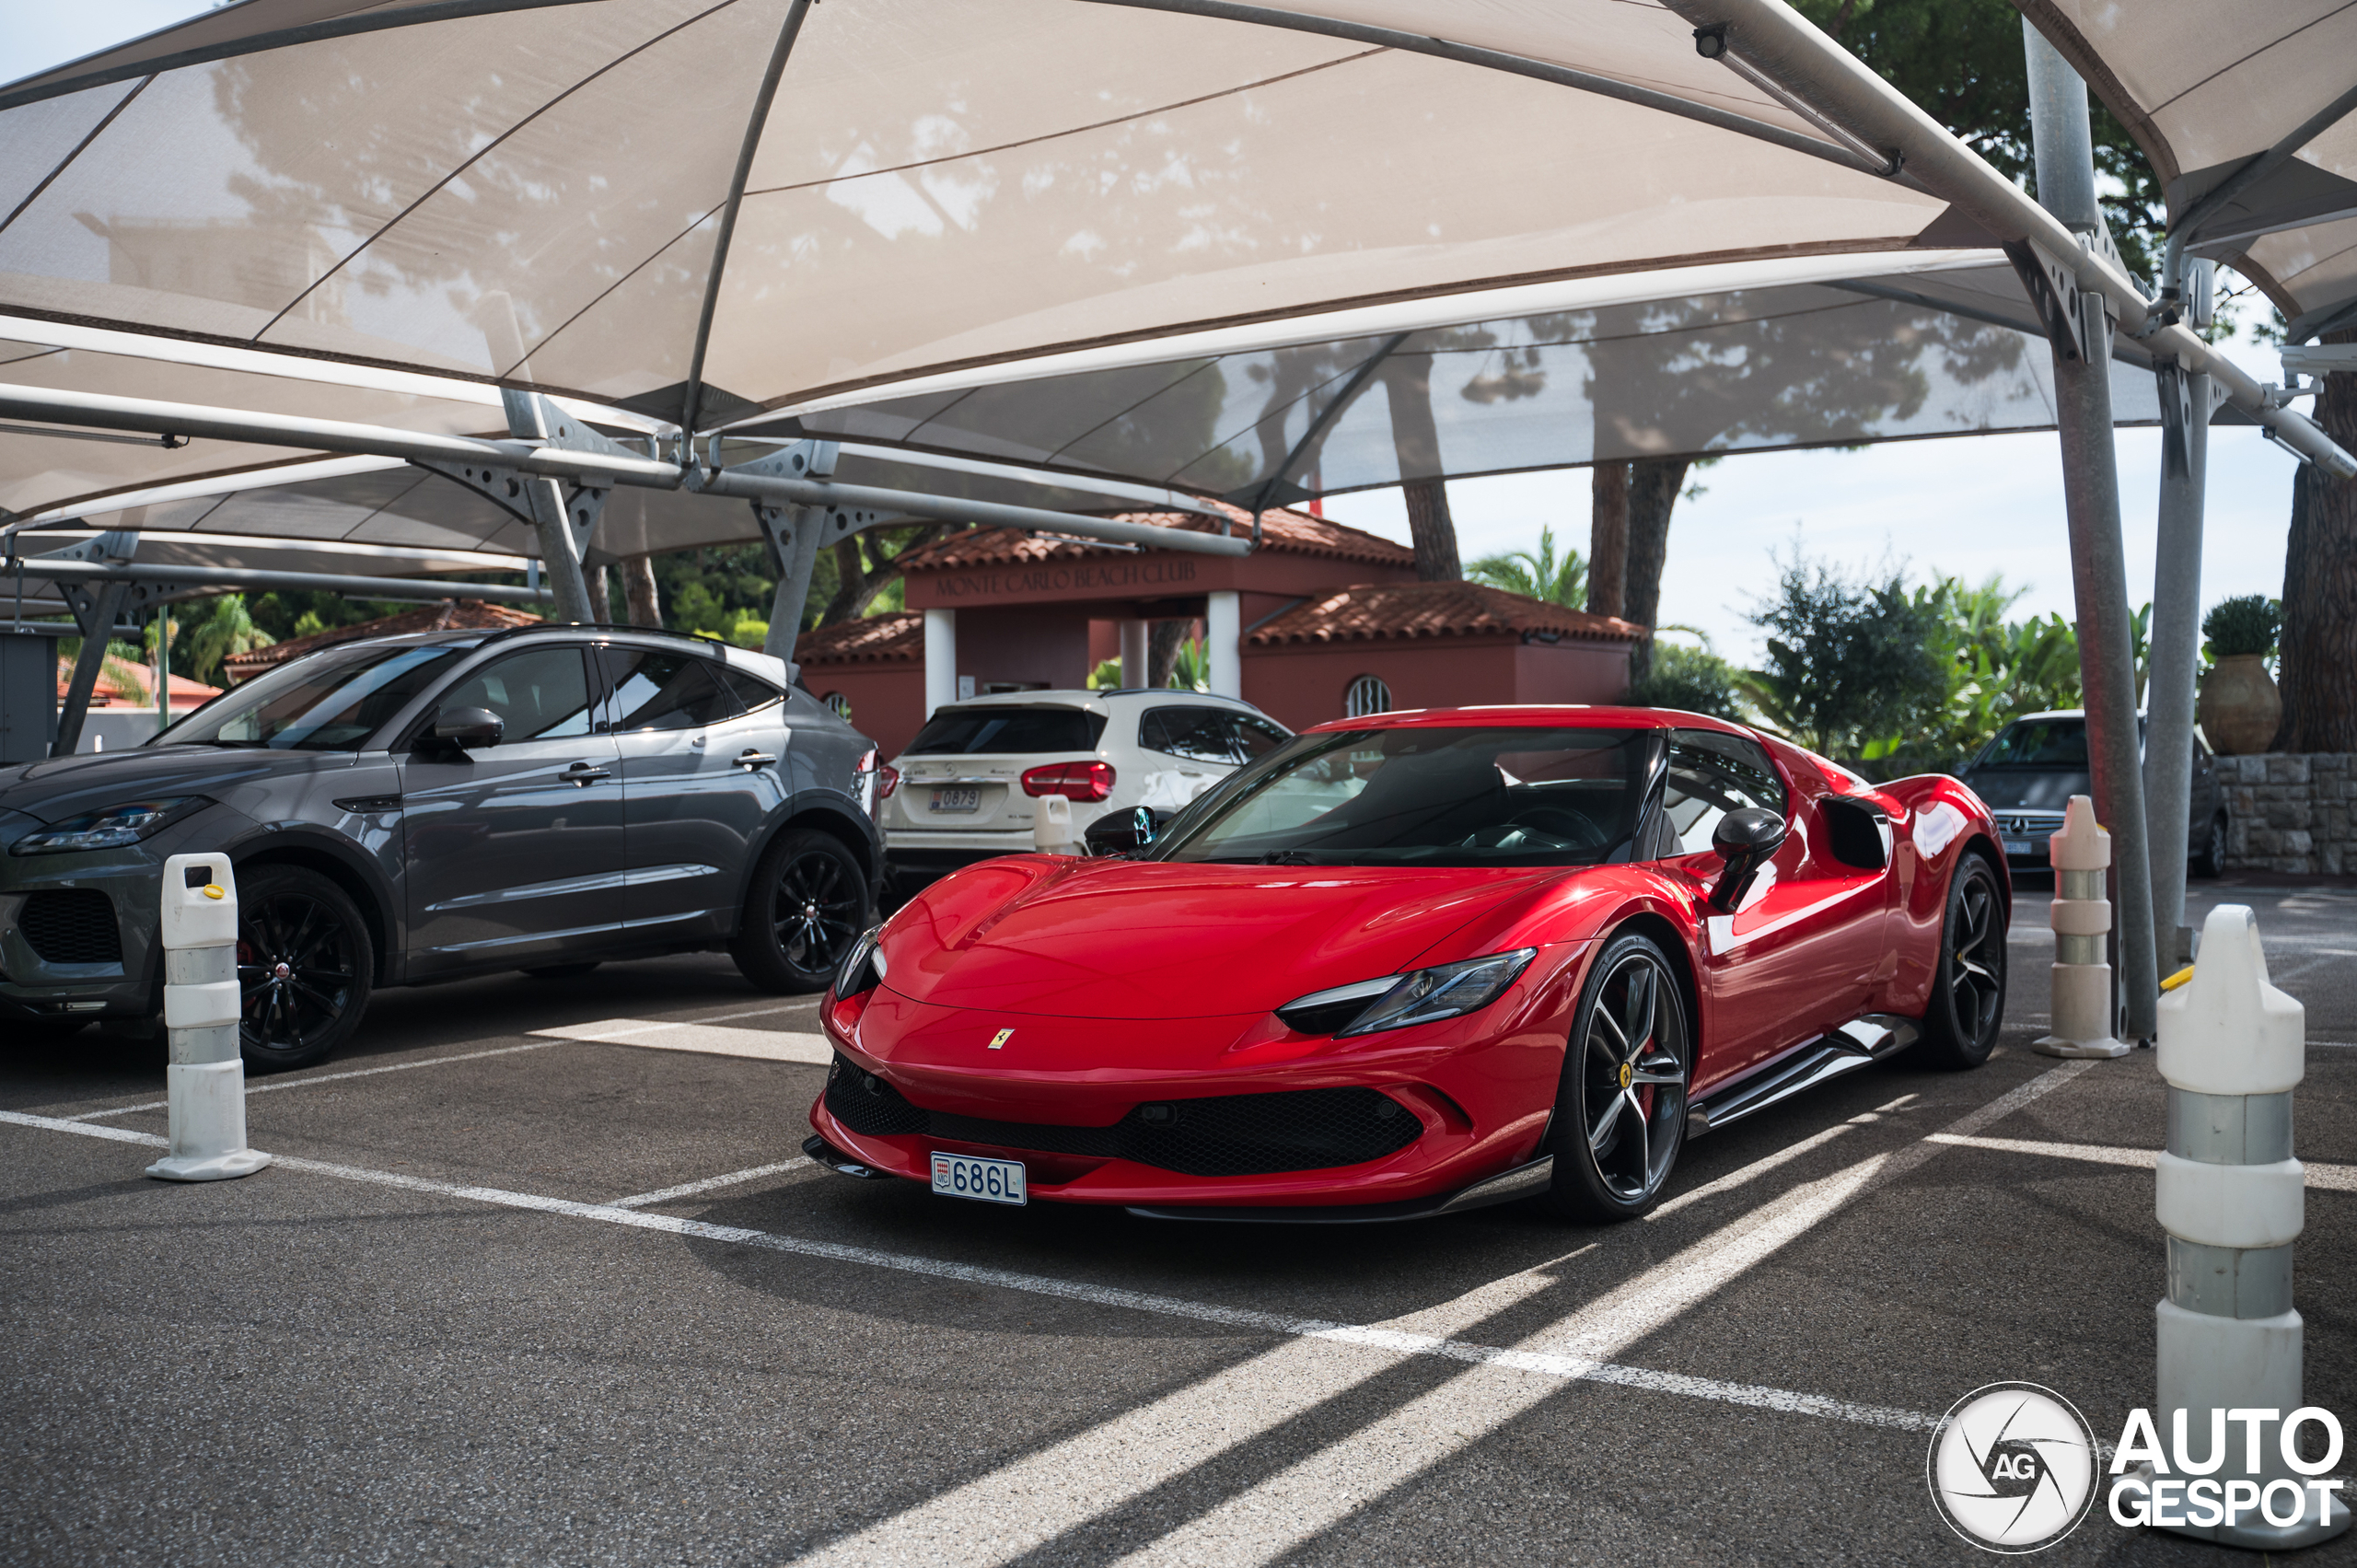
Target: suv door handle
{"x":750,"y":758}
{"x":584,"y":773}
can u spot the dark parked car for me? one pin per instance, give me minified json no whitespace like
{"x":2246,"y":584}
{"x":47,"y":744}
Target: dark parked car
{"x":2030,"y":769}
{"x":419,"y":808}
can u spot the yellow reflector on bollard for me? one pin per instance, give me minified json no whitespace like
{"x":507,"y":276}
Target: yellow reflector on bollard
{"x":2177,"y":979}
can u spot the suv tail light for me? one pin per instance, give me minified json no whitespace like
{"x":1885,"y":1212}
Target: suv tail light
{"x":1073,"y":781}
{"x":889,"y":780}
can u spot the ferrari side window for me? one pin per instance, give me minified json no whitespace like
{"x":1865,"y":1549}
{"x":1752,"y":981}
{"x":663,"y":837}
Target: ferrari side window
{"x":1710,"y":775}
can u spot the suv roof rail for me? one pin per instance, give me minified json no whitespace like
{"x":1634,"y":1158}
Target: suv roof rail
{"x":696,"y":639}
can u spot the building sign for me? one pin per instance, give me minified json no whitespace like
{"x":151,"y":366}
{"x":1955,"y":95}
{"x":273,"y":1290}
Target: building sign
{"x":1142,"y":577}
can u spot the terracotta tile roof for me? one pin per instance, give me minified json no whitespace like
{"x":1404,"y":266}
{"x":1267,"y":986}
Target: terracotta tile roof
{"x":1402,"y":610}
{"x":879,"y":639}
{"x":449,"y":615}
{"x":116,"y":691}
{"x":1286,"y":533}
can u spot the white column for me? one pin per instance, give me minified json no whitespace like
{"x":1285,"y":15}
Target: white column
{"x":1134,"y":659}
{"x":940,"y":658}
{"x":1224,"y":644}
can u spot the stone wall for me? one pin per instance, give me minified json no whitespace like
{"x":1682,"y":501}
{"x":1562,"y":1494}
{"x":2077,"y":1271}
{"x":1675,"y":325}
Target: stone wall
{"x":2290,"y":812}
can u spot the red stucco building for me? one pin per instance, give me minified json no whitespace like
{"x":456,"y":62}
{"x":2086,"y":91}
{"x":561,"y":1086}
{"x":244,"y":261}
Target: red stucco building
{"x":1320,"y":621}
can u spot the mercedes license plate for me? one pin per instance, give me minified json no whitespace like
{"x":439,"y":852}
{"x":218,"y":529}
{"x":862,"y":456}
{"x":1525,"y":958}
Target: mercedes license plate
{"x":2019,"y":846}
{"x":991,"y":1181}
{"x":957,"y":799}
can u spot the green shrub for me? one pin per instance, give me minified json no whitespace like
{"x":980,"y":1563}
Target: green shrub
{"x":1695,"y":681}
{"x":2244,"y":625}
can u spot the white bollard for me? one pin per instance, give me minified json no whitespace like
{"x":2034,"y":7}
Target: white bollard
{"x":206,"y":1078}
{"x":2232,"y":1199}
{"x":1051,"y":830}
{"x":2083,"y":1019}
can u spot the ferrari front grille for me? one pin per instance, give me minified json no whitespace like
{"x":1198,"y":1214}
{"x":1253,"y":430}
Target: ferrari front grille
{"x":71,"y":925}
{"x":1218,"y":1135}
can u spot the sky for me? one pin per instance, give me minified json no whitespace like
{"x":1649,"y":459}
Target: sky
{"x":1964,"y":507}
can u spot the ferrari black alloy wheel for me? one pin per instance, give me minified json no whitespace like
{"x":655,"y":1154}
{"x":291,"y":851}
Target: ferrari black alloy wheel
{"x":1620,"y":1113}
{"x":808,"y":904}
{"x":1969,"y":992}
{"x":304,"y":961}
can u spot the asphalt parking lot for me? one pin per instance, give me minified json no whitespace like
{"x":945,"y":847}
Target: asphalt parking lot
{"x":540,"y":1278}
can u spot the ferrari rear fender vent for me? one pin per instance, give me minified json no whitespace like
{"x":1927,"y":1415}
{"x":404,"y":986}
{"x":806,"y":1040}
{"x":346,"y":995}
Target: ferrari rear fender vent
{"x":71,"y":925}
{"x":1217,"y":1135}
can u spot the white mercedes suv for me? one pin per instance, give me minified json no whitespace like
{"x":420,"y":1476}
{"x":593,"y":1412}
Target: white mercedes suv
{"x":964,"y":789}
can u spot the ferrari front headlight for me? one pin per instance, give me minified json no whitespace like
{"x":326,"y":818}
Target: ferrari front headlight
{"x":1394,"y":1001}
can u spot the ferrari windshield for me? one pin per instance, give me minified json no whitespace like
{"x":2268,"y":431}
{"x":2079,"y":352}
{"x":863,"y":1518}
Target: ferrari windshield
{"x":1427,"y":797}
{"x":329,"y":700}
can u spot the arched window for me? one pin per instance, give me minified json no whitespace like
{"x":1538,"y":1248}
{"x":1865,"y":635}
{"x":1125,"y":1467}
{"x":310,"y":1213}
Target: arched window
{"x":841,"y":704}
{"x":1367,"y":696}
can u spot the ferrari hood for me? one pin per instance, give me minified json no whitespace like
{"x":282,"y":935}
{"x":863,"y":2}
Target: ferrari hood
{"x":1126,"y":939}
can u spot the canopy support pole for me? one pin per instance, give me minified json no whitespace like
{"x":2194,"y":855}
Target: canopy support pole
{"x":95,"y":610}
{"x":2063,"y":147}
{"x":2187,"y":403}
{"x":563,"y":526}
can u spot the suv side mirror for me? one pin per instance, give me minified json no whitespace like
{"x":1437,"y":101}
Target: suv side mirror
{"x":1125,"y":833}
{"x":466,"y":729}
{"x":1745,"y":840}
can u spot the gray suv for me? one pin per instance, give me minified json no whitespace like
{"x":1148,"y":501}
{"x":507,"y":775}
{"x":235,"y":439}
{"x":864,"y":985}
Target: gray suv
{"x":411,"y":809}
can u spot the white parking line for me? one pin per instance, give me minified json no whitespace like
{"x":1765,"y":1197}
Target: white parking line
{"x":1269,"y":1519}
{"x":2327,"y":1178}
{"x":1394,"y":1343}
{"x":1024,"y":1505}
{"x":765,"y":1045}
{"x":263,"y":1088}
{"x":1147,"y":1447}
{"x":690,"y":1189}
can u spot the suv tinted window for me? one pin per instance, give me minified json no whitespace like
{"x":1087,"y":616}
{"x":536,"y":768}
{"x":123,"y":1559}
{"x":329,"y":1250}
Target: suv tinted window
{"x":1710,"y":775}
{"x":329,"y":700}
{"x":964,"y":732}
{"x":751,"y":690}
{"x":653,"y":689}
{"x":538,"y":695}
{"x":1204,"y":734}
{"x":2038,"y":743}
{"x":1258,"y":734}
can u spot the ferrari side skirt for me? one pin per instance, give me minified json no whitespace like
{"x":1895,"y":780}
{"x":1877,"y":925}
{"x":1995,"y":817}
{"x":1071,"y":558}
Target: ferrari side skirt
{"x":1522,"y":1181}
{"x":1861,"y":1042}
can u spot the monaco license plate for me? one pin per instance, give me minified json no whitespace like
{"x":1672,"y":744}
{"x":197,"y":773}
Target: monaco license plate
{"x":2019,"y":846}
{"x":991,"y":1181}
{"x":957,"y":799}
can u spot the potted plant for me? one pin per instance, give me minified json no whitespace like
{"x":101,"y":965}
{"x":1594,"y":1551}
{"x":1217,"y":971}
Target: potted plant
{"x":2240,"y":708}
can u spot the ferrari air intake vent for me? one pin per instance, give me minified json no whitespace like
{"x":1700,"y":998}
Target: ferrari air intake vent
{"x":71,"y":925}
{"x":1224,"y":1135}
{"x":866,"y":1103}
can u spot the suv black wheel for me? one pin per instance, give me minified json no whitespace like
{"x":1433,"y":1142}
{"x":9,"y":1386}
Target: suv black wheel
{"x":1620,"y":1113}
{"x":808,"y":904}
{"x":1969,"y":992}
{"x":304,"y":961}
{"x":2209,"y":858}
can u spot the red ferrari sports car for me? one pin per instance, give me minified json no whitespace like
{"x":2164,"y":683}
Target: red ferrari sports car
{"x":1417,"y":963}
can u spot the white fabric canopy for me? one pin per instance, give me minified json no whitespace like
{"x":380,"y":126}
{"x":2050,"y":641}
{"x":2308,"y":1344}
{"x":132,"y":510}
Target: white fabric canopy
{"x":540,"y":193}
{"x":2206,"y":90}
{"x":1800,"y":357}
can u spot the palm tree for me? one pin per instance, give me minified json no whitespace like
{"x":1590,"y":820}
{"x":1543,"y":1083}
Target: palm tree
{"x":227,"y":628}
{"x":1538,"y":575}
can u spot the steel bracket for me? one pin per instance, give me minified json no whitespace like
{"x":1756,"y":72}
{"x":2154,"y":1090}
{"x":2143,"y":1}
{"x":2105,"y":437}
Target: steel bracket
{"x":2079,"y":322}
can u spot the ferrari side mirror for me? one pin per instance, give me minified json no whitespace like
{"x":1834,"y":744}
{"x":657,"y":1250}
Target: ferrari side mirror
{"x":1125,"y":833}
{"x":1745,"y":841}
